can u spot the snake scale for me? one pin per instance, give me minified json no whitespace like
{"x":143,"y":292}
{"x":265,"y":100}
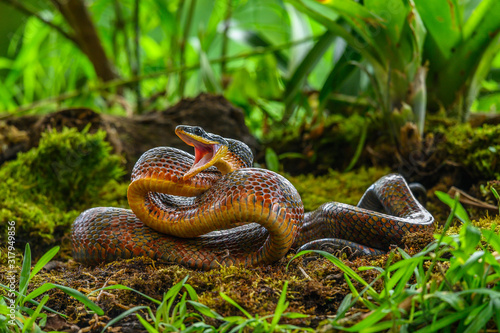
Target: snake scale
{"x":214,"y":209}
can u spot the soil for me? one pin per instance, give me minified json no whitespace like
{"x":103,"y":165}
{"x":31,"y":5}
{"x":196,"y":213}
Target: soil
{"x":316,"y":287}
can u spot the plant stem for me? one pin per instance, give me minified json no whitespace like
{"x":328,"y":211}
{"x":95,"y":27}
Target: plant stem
{"x":121,"y":26}
{"x":182,"y":51}
{"x":136,"y":70}
{"x":30,"y":12}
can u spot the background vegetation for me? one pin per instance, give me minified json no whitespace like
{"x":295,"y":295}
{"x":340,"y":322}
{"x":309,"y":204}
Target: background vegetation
{"x":292,"y":60}
{"x":358,"y":70}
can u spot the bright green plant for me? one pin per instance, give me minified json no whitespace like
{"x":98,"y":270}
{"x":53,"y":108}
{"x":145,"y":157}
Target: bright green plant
{"x":15,"y":316}
{"x":261,"y":324}
{"x":176,"y":318}
{"x":389,"y":37}
{"x":421,"y":295}
{"x":461,"y":43}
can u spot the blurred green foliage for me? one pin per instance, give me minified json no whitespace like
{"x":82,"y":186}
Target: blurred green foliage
{"x":284,"y":62}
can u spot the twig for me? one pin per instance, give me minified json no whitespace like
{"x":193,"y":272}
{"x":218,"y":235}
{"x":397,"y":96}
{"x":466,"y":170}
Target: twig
{"x":136,"y":70}
{"x":30,"y":12}
{"x":305,"y":274}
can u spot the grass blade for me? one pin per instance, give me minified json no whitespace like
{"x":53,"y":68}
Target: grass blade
{"x":460,"y":211}
{"x":123,"y":315}
{"x":120,"y":286}
{"x":230,"y":301}
{"x":205,"y":310}
{"x":444,"y":322}
{"x":70,"y":291}
{"x":24,"y":277}
{"x":31,"y":321}
{"x":346,"y":269}
{"x":207,"y":74}
{"x":146,"y":325}
{"x":44,"y":260}
{"x":305,"y":67}
{"x":280,"y":308}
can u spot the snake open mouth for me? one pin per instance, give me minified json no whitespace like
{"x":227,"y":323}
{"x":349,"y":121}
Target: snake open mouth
{"x":206,"y":152}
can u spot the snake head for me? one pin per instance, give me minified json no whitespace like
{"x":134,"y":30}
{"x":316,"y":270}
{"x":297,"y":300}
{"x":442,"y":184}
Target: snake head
{"x":210,"y":149}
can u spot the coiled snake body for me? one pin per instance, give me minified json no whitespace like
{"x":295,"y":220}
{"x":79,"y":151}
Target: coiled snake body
{"x":213,"y":209}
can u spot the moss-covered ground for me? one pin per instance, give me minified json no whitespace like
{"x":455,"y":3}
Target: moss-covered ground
{"x":316,"y":287}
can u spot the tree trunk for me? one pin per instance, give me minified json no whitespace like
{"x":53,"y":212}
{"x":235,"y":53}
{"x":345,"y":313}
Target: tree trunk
{"x":76,"y":14}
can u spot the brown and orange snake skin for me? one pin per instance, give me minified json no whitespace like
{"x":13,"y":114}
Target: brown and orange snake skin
{"x":213,"y":209}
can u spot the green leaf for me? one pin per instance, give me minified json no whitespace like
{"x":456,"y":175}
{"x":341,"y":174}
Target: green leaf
{"x":444,"y":322}
{"x":495,"y":193}
{"x":474,"y":313}
{"x":442,"y":22}
{"x":393,"y":14}
{"x":317,"y":12}
{"x":294,"y":315}
{"x":280,"y":308}
{"x":205,"y":310}
{"x":496,"y":308}
{"x":342,"y":70}
{"x":454,"y":300}
{"x":123,"y":315}
{"x":207,"y":75}
{"x":470,"y":237}
{"x":346,"y":269}
{"x":492,"y":238}
{"x":44,"y":260}
{"x":460,"y":211}
{"x":373,"y":318}
{"x":146,"y":325}
{"x":255,"y":39}
{"x":31,"y":321}
{"x":300,"y":29}
{"x":119,"y":286}
{"x":70,"y":291}
{"x":303,"y":69}
{"x":24,"y":277}
{"x":230,"y":301}
{"x":272,"y":162}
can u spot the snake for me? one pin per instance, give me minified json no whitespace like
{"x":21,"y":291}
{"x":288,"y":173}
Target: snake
{"x":215,"y":209}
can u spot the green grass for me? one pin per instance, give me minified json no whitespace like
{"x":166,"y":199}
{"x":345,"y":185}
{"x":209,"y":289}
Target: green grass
{"x":452,"y":285}
{"x":177,"y":318}
{"x":25,"y":318}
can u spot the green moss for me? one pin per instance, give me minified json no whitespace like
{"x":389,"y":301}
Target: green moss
{"x":335,"y":186}
{"x":477,"y":149}
{"x":44,"y":189}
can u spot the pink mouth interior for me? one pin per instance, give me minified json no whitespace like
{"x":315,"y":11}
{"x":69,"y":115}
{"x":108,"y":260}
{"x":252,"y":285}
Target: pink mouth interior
{"x":203,"y":154}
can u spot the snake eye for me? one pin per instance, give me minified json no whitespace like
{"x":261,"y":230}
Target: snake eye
{"x":198,"y":131}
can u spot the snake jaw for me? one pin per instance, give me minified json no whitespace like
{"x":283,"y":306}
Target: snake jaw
{"x":207,"y":152}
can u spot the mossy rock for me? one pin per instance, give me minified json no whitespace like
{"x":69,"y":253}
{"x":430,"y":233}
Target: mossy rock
{"x":45,"y":189}
{"x":477,"y":149}
{"x":346,"y":187}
